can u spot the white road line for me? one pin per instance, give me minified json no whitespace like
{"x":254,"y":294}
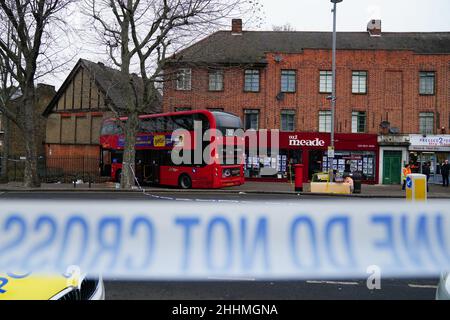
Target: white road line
{"x":231,"y":279}
{"x":422,"y":286}
{"x":333,"y":282}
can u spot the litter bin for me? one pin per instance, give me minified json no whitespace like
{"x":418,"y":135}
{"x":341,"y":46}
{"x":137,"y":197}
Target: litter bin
{"x":357,"y":178}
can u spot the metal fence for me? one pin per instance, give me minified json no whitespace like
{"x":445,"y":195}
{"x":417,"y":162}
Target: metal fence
{"x":58,"y":169}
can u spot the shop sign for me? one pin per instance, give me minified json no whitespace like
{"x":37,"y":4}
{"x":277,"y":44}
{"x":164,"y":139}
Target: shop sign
{"x":294,"y":141}
{"x":430,"y":143}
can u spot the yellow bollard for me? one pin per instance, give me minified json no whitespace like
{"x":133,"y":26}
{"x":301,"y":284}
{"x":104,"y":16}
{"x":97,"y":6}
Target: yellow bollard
{"x":416,"y":187}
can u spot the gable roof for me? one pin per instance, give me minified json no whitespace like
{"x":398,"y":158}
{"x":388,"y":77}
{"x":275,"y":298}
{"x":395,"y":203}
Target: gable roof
{"x":223,"y":47}
{"x":110,"y":81}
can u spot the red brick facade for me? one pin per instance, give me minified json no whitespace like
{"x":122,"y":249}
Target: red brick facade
{"x":392,"y":90}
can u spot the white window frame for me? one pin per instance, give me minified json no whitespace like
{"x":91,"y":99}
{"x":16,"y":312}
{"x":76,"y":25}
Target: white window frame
{"x":427,"y":82}
{"x":253,"y":74}
{"x":359,"y":82}
{"x":251,"y":112}
{"x":215,"y":80}
{"x":184,"y":79}
{"x":288,"y":113}
{"x":324,"y":121}
{"x":325,"y":81}
{"x":288,"y":81}
{"x":356,"y":117}
{"x":425,"y":126}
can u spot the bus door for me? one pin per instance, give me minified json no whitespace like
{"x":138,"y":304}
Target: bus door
{"x":105,"y":163}
{"x":151,"y":166}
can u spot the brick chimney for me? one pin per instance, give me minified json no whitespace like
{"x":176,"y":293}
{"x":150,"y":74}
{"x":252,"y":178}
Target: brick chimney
{"x":236,"y":26}
{"x":374,"y":28}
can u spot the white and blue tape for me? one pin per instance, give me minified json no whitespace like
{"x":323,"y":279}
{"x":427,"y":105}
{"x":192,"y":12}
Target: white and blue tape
{"x":167,"y":240}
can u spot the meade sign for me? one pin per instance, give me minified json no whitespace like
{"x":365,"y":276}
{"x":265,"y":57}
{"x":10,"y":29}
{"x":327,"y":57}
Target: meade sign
{"x":295,"y":142}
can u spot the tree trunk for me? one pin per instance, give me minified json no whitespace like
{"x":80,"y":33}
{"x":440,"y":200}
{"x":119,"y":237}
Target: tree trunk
{"x":129,"y":154}
{"x":5,"y":154}
{"x":31,"y":177}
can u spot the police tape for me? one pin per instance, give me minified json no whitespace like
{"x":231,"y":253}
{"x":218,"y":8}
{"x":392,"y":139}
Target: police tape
{"x":168,"y":240}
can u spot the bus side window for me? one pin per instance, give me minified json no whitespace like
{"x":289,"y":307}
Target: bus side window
{"x":183,"y":122}
{"x":204,"y":120}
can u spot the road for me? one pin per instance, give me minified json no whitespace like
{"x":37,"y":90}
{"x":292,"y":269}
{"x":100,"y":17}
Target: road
{"x":218,"y":289}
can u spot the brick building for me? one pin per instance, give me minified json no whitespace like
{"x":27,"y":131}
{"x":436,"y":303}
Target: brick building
{"x":75,"y":115}
{"x":390,"y":84}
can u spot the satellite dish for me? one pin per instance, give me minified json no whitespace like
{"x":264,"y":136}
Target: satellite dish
{"x":394,"y":130}
{"x":385,"y":124}
{"x":278,"y":58}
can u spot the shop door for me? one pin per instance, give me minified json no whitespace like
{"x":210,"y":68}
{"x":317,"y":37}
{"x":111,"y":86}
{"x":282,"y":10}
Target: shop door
{"x":392,"y":166}
{"x":315,"y":162}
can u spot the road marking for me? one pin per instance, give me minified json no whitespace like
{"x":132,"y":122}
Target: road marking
{"x":422,"y":286}
{"x":231,"y":279}
{"x":333,"y":282}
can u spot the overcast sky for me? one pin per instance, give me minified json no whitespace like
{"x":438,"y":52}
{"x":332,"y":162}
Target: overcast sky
{"x":353,"y":15}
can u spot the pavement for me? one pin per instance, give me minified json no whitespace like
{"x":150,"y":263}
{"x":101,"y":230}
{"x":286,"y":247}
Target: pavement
{"x":251,"y":187}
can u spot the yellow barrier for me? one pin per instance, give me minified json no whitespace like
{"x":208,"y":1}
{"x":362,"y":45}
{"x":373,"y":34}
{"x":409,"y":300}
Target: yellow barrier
{"x":416,"y":187}
{"x":330,"y":187}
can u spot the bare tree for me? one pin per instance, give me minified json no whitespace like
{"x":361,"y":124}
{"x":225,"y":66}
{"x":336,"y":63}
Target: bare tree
{"x":145,"y":33}
{"x":7,"y":91}
{"x":27,"y":29}
{"x":284,"y":27}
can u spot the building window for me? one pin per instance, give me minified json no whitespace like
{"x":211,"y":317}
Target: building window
{"x":325,"y":83}
{"x":325,"y":121}
{"x":426,"y":122}
{"x":426,"y":82}
{"x":359,"y":82}
{"x":358,"y":122}
{"x":287,"y":120}
{"x":288,"y":80}
{"x":178,"y":109}
{"x":251,"y":119}
{"x":251,"y":83}
{"x":184,"y":77}
{"x":216,"y":80}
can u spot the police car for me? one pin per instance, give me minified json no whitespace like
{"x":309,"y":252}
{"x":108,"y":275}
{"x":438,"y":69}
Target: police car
{"x":57,"y":287}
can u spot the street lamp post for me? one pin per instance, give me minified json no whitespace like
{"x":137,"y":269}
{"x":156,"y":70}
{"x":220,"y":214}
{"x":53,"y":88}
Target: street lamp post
{"x":333,"y":86}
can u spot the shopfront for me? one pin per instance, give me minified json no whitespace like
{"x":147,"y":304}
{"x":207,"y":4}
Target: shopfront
{"x":432,"y":149}
{"x":354,"y":152}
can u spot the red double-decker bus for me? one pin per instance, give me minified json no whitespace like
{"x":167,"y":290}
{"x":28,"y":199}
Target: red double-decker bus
{"x":222,"y":167}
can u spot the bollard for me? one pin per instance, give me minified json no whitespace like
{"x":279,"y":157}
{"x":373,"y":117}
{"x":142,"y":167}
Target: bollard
{"x":298,"y":177}
{"x":416,"y":187}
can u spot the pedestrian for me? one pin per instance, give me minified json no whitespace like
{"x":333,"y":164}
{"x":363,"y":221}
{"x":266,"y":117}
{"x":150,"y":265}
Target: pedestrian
{"x":445,"y":170}
{"x":406,"y":170}
{"x":426,"y":170}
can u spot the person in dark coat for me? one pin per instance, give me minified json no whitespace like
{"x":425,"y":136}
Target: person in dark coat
{"x":445,"y":170}
{"x":426,"y":170}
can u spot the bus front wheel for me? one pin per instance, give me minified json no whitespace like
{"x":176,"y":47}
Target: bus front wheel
{"x":185,"y":182}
